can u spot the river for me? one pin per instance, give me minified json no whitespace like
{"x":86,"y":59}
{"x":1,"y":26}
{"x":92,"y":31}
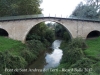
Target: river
{"x":47,"y":60}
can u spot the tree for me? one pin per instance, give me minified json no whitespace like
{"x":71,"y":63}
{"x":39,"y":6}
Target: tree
{"x":59,"y":30}
{"x":42,"y":33}
{"x":19,"y":7}
{"x":88,"y":10}
{"x":29,"y":7}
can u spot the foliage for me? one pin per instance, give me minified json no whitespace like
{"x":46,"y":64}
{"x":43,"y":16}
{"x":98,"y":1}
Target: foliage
{"x":66,"y":36}
{"x":42,"y":33}
{"x":85,"y":64}
{"x":19,"y":7}
{"x":88,"y":63}
{"x":49,"y":35}
{"x":96,"y":68}
{"x":35,"y":46}
{"x":14,"y":54}
{"x":10,"y":61}
{"x":92,"y":52}
{"x":28,"y":55}
{"x":38,"y":29}
{"x":72,"y":55}
{"x":59,"y":30}
{"x":89,"y":10}
{"x":73,"y":51}
{"x":33,"y":36}
{"x":78,"y":43}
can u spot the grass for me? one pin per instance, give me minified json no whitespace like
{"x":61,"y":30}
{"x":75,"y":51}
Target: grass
{"x":13,"y":46}
{"x":93,"y":49}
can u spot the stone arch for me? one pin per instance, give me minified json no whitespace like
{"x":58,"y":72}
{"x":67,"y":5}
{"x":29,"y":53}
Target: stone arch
{"x":93,"y":34}
{"x":3,"y":32}
{"x":45,"y":21}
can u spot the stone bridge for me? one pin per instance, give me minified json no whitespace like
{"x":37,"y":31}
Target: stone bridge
{"x":18,"y":28}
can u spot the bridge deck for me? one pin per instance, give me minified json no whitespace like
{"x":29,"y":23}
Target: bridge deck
{"x":28,"y":17}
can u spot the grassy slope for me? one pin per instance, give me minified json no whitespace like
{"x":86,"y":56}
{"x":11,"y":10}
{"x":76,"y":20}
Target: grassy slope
{"x":11,"y":45}
{"x":93,"y":49}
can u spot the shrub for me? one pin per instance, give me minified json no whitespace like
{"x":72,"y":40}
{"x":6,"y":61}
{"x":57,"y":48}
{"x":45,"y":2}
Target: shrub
{"x":10,"y":61}
{"x":28,"y":55}
{"x":85,"y":64}
{"x":96,"y":68}
{"x":33,"y":36}
{"x":73,"y":50}
{"x":66,"y":36}
{"x":35,"y":46}
{"x":72,"y":55}
{"x":49,"y":35}
{"x":78,"y":42}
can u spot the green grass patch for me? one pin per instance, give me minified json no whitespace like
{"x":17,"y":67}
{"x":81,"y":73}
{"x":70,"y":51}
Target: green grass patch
{"x":7,"y":44}
{"x":93,"y":49}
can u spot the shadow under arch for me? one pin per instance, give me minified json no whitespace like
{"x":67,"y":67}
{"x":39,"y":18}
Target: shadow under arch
{"x":49,"y":21}
{"x":3,"y":32}
{"x":93,"y":34}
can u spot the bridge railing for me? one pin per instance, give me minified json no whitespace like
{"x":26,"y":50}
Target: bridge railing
{"x":21,"y":17}
{"x":43,"y":16}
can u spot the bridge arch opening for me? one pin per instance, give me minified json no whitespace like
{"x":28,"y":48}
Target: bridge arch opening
{"x":51,"y":25}
{"x":93,"y":34}
{"x":3,"y":32}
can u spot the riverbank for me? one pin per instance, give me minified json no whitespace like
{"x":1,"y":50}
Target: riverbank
{"x":16,"y":55}
{"x":80,"y":58}
{"x":89,"y":63}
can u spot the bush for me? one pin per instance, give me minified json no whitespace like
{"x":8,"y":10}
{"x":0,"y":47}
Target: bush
{"x":10,"y":61}
{"x":96,"y":68}
{"x":78,"y":43}
{"x":72,"y":55}
{"x":46,"y":43}
{"x":85,"y":64}
{"x":28,"y":55}
{"x":35,"y":46}
{"x":73,"y":50}
{"x":50,"y":36}
{"x":66,"y":36}
{"x":33,"y":36}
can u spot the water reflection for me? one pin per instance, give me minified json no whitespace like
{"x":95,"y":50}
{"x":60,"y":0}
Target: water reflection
{"x":53,"y":60}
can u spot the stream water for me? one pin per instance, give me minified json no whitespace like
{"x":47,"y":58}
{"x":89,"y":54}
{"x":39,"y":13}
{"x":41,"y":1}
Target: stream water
{"x":47,"y":60}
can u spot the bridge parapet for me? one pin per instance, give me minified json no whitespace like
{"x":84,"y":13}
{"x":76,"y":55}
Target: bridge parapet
{"x":39,"y":16}
{"x":19,"y":26}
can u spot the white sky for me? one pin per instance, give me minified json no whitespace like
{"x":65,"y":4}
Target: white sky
{"x":59,"y":8}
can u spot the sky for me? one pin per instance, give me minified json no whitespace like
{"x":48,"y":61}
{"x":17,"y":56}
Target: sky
{"x":59,"y":8}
